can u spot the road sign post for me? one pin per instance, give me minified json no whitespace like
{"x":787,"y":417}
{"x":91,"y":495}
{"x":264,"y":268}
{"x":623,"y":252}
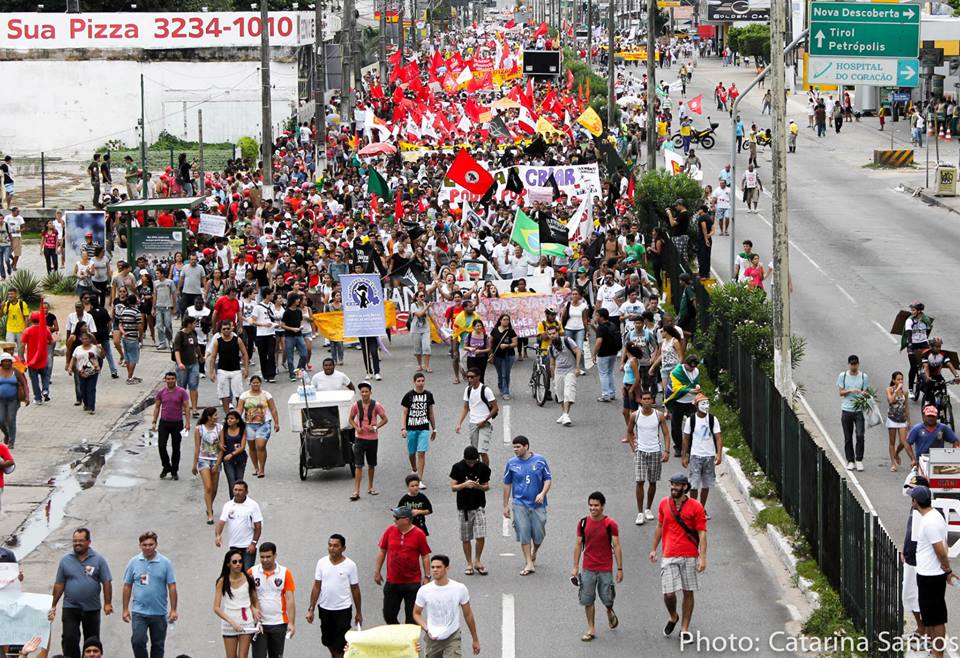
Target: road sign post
{"x":864,"y":44}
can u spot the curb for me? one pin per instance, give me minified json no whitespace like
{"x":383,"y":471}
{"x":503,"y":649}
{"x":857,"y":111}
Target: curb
{"x":928,"y":198}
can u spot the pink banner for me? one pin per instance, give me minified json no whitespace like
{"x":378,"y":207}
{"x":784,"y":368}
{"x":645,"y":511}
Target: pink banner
{"x":525,"y":311}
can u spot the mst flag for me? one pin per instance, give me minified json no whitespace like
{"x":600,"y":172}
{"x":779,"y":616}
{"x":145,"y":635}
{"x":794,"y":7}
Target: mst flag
{"x":468,"y":174}
{"x":696,"y":104}
{"x":498,"y":128}
{"x":551,"y":230}
{"x":526,"y":234}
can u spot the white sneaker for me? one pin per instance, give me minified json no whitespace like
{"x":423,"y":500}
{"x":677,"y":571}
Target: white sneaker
{"x":850,"y":466}
{"x":859,"y":466}
{"x":378,"y":377}
{"x":423,"y":485}
{"x":640,"y":519}
{"x":560,"y":419}
{"x":649,"y":514}
{"x":566,"y":422}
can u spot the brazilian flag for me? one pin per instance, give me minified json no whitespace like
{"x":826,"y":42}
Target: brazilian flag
{"x":526,"y":233}
{"x":377,"y":185}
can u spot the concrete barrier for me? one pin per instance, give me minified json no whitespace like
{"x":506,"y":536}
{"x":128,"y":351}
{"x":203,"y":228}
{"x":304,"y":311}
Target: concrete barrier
{"x":893,"y":157}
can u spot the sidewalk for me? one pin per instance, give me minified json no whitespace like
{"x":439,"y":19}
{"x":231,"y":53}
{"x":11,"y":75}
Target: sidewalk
{"x":58,"y":434}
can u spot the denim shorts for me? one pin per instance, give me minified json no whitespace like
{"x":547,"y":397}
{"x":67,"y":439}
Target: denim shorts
{"x":131,"y":350}
{"x":206,"y":464}
{"x":593,"y":583}
{"x":530,"y":524}
{"x":189,"y":377}
{"x":418,"y":441}
{"x":261,"y":431}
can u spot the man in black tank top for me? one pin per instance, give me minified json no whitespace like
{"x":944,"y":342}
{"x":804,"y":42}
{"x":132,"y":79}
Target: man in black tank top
{"x":229,"y":364}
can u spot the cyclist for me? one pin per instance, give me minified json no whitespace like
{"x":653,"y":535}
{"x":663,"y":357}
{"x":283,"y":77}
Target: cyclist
{"x":915,"y":338}
{"x":934,"y":360}
{"x":543,"y":337}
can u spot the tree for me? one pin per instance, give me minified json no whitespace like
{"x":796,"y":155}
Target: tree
{"x":751,"y":41}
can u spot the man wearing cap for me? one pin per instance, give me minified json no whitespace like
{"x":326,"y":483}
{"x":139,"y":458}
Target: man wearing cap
{"x":931,"y":433}
{"x":404,"y":547}
{"x":933,"y":568}
{"x":34,"y":343}
{"x":702,"y":449}
{"x":916,"y":339}
{"x":909,"y":596}
{"x":682,"y":527}
{"x":852,"y":383}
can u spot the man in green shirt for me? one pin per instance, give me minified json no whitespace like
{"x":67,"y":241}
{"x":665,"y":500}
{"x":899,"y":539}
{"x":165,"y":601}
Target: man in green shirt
{"x":131,"y":174}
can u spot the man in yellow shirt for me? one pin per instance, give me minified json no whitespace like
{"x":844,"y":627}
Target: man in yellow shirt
{"x":794,"y":130}
{"x":549,"y":321}
{"x":15,"y":310}
{"x":462,"y":326}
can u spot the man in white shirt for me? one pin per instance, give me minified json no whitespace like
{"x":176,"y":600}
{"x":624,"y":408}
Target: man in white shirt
{"x":502,"y":257}
{"x":650,"y":452}
{"x":14,"y":224}
{"x":481,"y":405}
{"x":336,"y":587}
{"x":609,"y":295}
{"x":330,"y":379}
{"x":702,"y":449}
{"x":722,"y":197}
{"x":933,"y":568}
{"x":80,"y":315}
{"x":437,"y":611}
{"x":518,"y":264}
{"x":243,"y":522}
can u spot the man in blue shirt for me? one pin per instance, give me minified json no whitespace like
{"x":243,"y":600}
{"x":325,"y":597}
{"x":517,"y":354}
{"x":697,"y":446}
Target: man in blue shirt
{"x":931,"y":433}
{"x":526,"y":481}
{"x":149,"y":579}
{"x":852,"y":383}
{"x":79,"y":578}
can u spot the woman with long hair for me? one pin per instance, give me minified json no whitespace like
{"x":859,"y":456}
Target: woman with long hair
{"x":235,"y":602}
{"x":477,"y":348}
{"x":207,"y":455}
{"x":336,"y":346}
{"x":84,"y":364}
{"x":631,"y":383}
{"x":233,"y":448}
{"x":898,"y":418}
{"x":504,"y":341}
{"x":256,"y":403}
{"x":84,"y":270}
{"x":670,"y":353}
{"x":73,"y":342}
{"x":49,"y":239}
{"x":575,"y":321}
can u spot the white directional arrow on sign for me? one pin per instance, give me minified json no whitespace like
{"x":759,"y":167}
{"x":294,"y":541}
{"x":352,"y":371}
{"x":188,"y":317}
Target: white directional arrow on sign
{"x":908,"y":13}
{"x":819,"y":37}
{"x":908,"y":72}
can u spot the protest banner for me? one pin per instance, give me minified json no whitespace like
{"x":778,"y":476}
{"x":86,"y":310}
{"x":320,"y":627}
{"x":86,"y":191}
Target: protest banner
{"x":525,"y":311}
{"x":363,"y":305}
{"x":156,"y":244}
{"x":9,"y":577}
{"x":397,"y":641}
{"x":576,"y":181}
{"x":214,"y":225}
{"x":23,"y":617}
{"x":330,"y":324}
{"x":78,"y":224}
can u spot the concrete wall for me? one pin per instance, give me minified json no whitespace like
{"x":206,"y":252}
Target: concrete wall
{"x":71,"y":107}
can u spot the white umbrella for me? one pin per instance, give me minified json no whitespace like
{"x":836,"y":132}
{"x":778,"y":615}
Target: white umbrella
{"x":625,"y":101}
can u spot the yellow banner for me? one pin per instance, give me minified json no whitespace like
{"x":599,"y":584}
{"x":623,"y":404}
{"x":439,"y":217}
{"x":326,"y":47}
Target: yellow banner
{"x":544,"y":127}
{"x":591,"y":121}
{"x":398,"y":641}
{"x":330,"y":324}
{"x":636,"y":55}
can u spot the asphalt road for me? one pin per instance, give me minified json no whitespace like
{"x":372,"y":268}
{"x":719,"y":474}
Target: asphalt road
{"x":739,"y":595}
{"x":860,"y":252}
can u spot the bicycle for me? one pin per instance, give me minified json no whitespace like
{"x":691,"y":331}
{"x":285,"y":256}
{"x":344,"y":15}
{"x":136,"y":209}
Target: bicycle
{"x":939,"y":397}
{"x":539,"y":377}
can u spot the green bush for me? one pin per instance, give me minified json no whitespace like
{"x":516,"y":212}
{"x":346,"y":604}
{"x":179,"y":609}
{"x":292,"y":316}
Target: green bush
{"x":26,"y":283}
{"x":657,"y":190}
{"x":249,"y":149}
{"x":751,"y":41}
{"x":58,"y":283}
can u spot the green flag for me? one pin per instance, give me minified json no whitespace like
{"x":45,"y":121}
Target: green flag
{"x":376,"y":184}
{"x":526,"y":233}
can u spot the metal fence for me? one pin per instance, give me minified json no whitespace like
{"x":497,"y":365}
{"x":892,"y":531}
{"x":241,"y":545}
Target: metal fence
{"x":852,"y":548}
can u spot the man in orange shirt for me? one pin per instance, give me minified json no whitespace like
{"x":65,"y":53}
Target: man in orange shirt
{"x":278,"y":607}
{"x":34,"y":341}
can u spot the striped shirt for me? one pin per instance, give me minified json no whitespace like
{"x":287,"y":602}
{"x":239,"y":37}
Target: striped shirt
{"x":130,"y":320}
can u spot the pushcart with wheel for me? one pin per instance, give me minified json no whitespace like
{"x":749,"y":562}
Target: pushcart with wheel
{"x":326,"y":438}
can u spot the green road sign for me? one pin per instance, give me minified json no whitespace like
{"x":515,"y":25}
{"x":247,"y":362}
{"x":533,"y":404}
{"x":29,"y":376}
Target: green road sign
{"x":850,"y":29}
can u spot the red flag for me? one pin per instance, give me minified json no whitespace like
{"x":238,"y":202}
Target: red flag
{"x":630,"y":189}
{"x":569,"y":80}
{"x":373,"y":208}
{"x":696,"y":104}
{"x":398,"y":205}
{"x":376,"y":91}
{"x":394,"y":59}
{"x":468,"y":174}
{"x":511,"y":24}
{"x":436,"y":63}
{"x":541,"y":30}
{"x":526,"y":98}
{"x":588,"y":89}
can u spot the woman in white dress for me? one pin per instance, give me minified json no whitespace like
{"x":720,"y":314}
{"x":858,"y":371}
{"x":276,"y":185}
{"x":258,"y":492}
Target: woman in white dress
{"x":235,"y":602}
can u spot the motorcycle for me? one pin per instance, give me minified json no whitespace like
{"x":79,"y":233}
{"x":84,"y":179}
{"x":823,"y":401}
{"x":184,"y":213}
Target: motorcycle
{"x":705,"y":138}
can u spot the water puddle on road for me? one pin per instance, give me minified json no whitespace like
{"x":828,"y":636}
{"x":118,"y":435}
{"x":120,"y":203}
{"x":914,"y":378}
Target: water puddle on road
{"x":64,"y":488}
{"x":121,"y":481}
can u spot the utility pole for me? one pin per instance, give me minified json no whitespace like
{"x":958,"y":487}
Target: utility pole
{"x":651,"y":85}
{"x":782,"y":374}
{"x":200,"y":141}
{"x":346,"y":58}
{"x":611,"y":63}
{"x":383,"y":42}
{"x":266,"y":130}
{"x":320,"y":94}
{"x":400,"y":4}
{"x":143,"y":144}
{"x":590,"y":35}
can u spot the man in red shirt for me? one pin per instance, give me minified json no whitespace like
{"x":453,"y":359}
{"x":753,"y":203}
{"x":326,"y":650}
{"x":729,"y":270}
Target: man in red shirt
{"x":405,"y":548}
{"x":34,"y":341}
{"x":227,"y":307}
{"x":6,"y":461}
{"x":682,"y":524}
{"x":598,"y":537}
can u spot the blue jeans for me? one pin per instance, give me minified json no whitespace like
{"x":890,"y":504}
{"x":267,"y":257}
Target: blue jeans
{"x":107,"y":348}
{"x":289,"y":344}
{"x":40,"y":382}
{"x":336,"y":351}
{"x":164,"y":327}
{"x":8,"y":418}
{"x":503,"y":364}
{"x":606,"y":365}
{"x":5,"y":262}
{"x":157,"y":627}
{"x":577,"y":336}
{"x":88,"y":391}
{"x":234,"y":469}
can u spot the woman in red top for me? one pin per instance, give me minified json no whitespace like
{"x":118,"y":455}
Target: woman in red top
{"x":49,"y":240}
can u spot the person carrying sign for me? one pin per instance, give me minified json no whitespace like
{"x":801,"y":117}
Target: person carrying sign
{"x":682,"y":525}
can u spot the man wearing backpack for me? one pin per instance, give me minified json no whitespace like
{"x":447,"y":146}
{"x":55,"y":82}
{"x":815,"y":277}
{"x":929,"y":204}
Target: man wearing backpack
{"x":481,"y":404}
{"x":702,"y":449}
{"x":367,"y":416}
{"x":564,"y":356}
{"x":682,"y":526}
{"x":15,"y":311}
{"x":598,"y":538}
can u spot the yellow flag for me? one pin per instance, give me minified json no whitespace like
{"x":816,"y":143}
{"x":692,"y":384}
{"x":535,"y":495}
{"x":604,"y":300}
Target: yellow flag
{"x":591,"y":121}
{"x":544,"y":127}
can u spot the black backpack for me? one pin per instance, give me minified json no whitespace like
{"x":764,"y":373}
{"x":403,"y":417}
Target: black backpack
{"x":373,"y":405}
{"x":483,"y":397}
{"x":583,"y":533}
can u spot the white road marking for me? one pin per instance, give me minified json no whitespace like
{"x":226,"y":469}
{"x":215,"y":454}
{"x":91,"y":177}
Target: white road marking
{"x":506,"y":424}
{"x":508,"y":647}
{"x":845,"y":293}
{"x":892,"y":338}
{"x":508,"y":555}
{"x":799,"y":250}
